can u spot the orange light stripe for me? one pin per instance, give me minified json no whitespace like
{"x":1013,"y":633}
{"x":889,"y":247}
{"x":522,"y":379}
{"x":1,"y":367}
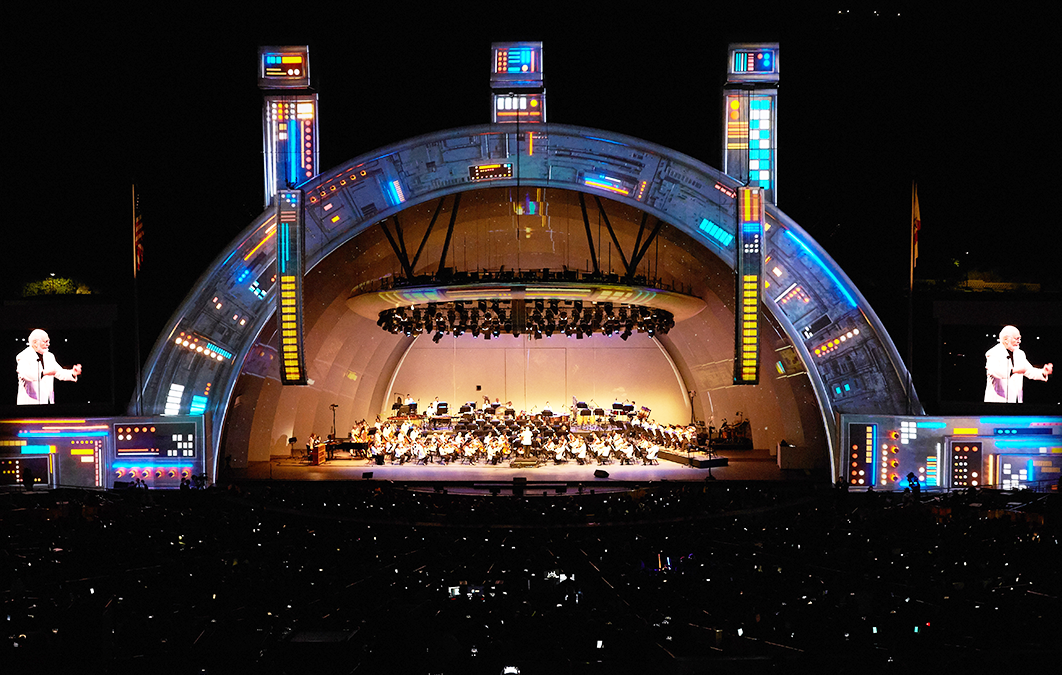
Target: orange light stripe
{"x":272,"y":232}
{"x":53,"y":421}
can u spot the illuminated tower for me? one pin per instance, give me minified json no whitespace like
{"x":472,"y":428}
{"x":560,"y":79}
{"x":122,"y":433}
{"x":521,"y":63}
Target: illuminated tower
{"x":750,"y":216}
{"x":289,"y":120}
{"x":751,"y":115}
{"x":519,"y":92}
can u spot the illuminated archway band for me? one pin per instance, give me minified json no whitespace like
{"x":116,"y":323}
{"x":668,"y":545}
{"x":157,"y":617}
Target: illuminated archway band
{"x":851,"y":360}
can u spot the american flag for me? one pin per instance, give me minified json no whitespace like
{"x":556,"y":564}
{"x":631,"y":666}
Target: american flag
{"x":138,"y":235}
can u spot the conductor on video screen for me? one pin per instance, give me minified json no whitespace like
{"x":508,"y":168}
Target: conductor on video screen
{"x":38,"y":370}
{"x":1007,"y":367}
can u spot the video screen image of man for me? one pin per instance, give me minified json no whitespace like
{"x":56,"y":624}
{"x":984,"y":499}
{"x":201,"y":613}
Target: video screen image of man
{"x":38,"y":370}
{"x":1007,"y":368}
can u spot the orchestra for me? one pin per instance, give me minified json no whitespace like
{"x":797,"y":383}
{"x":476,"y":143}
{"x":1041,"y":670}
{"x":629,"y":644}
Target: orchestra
{"x":498,"y":434}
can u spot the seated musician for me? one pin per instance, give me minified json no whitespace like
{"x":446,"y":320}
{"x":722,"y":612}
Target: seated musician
{"x":651,"y":454}
{"x":445,"y":450}
{"x":578,"y":448}
{"x":626,"y":450}
{"x":557,"y":449}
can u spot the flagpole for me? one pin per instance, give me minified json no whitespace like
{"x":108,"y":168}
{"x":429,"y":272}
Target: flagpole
{"x":136,"y":311}
{"x":910,"y":299}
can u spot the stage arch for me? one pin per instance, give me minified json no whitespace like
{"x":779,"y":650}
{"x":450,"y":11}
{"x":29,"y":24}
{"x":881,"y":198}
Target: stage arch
{"x":828,"y":352}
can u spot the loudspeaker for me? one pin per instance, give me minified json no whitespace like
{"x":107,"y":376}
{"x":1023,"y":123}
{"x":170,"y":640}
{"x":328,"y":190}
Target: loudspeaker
{"x":366,"y":475}
{"x":600,"y":473}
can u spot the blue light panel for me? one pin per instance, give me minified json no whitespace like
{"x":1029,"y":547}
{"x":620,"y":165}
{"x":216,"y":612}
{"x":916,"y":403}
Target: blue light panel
{"x":822,"y":266}
{"x":716,"y":232}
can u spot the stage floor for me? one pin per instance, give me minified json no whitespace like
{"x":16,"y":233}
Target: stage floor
{"x":742,"y":465}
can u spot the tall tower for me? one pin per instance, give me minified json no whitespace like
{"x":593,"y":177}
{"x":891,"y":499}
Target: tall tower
{"x":750,"y":112}
{"x":289,"y":120}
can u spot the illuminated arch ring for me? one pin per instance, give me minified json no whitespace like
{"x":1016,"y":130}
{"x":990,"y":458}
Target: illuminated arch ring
{"x":810,"y":297}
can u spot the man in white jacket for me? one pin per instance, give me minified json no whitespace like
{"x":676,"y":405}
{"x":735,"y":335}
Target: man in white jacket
{"x":38,"y":370}
{"x":1007,"y":367}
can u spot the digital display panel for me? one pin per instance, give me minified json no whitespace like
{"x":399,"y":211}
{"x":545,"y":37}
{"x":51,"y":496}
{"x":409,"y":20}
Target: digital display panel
{"x":97,"y":452}
{"x":750,"y":140}
{"x":966,"y":466}
{"x":290,"y":240}
{"x":749,"y":283}
{"x":516,"y":65}
{"x":290,"y":142}
{"x":863,"y":439}
{"x":1024,"y":471}
{"x":524,"y":108}
{"x":284,"y":67}
{"x":753,"y":63}
{"x":1011,"y":452}
{"x":155,"y":439}
{"x":66,"y":452}
{"x":490,"y":171}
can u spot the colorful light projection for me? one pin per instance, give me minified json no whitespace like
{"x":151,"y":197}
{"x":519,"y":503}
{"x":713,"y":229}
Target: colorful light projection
{"x":750,"y":146}
{"x":290,"y":245}
{"x":284,"y":67}
{"x":289,"y":128}
{"x":749,"y":283}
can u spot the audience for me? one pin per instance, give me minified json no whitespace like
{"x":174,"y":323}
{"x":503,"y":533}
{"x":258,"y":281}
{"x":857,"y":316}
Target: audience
{"x":678,"y":577}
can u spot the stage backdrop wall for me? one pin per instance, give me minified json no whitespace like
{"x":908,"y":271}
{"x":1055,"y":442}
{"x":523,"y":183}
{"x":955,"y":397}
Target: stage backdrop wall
{"x":532,"y":373}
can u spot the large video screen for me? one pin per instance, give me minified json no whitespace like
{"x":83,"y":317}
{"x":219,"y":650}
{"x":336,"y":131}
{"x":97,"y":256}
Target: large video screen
{"x":963,"y":377}
{"x":92,"y":347}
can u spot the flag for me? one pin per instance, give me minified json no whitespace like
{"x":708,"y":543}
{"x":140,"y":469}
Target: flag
{"x":138,"y":235}
{"x":916,"y":224}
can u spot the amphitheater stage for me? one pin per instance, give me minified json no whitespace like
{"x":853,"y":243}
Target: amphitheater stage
{"x":743,"y":465}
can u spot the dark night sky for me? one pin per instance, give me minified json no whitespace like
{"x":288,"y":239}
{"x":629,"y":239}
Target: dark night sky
{"x":868,"y":102}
